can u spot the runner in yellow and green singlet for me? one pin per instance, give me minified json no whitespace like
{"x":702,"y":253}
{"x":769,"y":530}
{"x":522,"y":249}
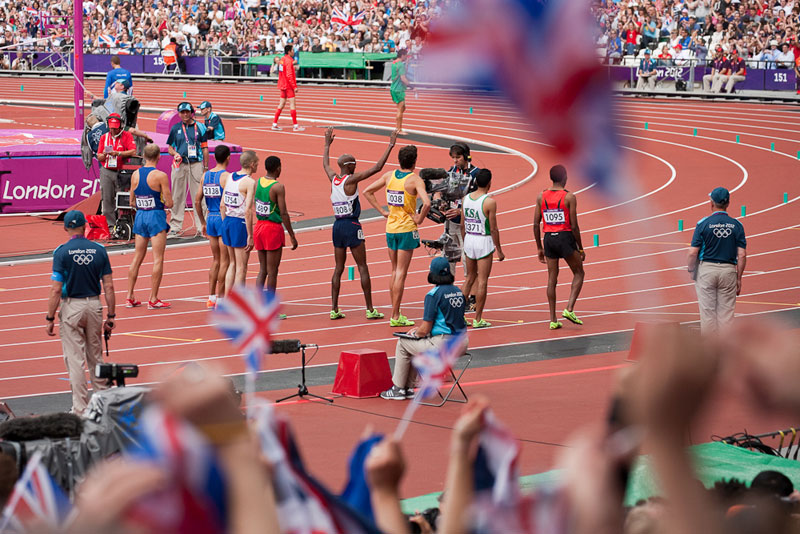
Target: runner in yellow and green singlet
{"x":402,"y":189}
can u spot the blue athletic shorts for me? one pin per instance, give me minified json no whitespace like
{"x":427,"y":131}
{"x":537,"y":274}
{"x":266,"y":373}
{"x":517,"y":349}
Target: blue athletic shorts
{"x":149,"y":223}
{"x":347,"y":233}
{"x":403,"y":240}
{"x":234,"y":232}
{"x":214,"y":224}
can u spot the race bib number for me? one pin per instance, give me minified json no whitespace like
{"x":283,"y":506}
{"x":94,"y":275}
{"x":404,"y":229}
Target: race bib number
{"x":263,"y":208}
{"x":415,"y":235}
{"x":192,"y":151}
{"x":342,"y":209}
{"x":395,"y":198}
{"x":112,"y":161}
{"x":360,"y":234}
{"x":233,"y":199}
{"x":473,"y":226}
{"x":212,"y":191}
{"x":554,"y":217}
{"x":145,"y":203}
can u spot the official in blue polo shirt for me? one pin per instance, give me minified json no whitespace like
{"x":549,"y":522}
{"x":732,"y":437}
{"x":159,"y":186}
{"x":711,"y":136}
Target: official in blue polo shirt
{"x":187,"y":144}
{"x":717,"y":259}
{"x":78,"y":267}
{"x":442,"y":317}
{"x":213,"y":123}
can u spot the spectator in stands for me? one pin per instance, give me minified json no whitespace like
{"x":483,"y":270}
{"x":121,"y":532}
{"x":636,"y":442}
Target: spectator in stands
{"x":766,"y":58}
{"x":710,"y":80}
{"x":649,"y":32}
{"x":20,"y":62}
{"x":646,"y":73}
{"x":631,"y":38}
{"x":785,"y":58}
{"x":614,"y":49}
{"x":738,"y":71}
{"x":664,"y":57}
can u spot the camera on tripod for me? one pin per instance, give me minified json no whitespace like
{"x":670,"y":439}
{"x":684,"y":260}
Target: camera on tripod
{"x":444,"y":189}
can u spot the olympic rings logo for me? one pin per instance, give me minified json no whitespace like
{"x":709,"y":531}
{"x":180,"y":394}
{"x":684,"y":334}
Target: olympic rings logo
{"x":722,"y":233}
{"x":456,"y":302}
{"x":83,"y":259}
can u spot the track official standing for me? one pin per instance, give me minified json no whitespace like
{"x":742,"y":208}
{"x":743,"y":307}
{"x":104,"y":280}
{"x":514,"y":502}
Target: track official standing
{"x":78,"y":267}
{"x":717,"y":258}
{"x":188,"y":146}
{"x":213,"y":123}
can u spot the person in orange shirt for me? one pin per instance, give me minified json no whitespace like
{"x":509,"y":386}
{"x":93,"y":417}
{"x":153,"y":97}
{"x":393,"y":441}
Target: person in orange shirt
{"x":287,"y":83}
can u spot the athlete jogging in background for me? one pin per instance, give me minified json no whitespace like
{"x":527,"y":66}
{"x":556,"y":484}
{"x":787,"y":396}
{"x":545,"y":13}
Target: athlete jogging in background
{"x":557,"y":210}
{"x":238,"y":190}
{"x":150,"y":194}
{"x":287,"y":83}
{"x":347,"y":232}
{"x":211,"y":193}
{"x":402,"y":189}
{"x":273,"y":217}
{"x":481,"y":239}
{"x":398,"y":87}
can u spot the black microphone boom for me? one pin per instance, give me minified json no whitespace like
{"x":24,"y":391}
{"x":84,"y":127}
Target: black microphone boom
{"x":288,"y":346}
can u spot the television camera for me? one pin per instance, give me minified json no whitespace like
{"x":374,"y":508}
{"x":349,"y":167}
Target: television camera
{"x":445,"y":189}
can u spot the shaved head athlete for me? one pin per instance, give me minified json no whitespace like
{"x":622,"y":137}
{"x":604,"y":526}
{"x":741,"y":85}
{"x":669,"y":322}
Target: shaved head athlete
{"x":347,"y":232}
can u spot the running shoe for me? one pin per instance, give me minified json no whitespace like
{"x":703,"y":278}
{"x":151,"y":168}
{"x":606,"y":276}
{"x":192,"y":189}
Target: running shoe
{"x":374,"y":314}
{"x":394,"y":393}
{"x":132,"y":303}
{"x":276,"y":128}
{"x":335,"y":314}
{"x":211,"y":303}
{"x":298,"y":128}
{"x":555,"y":325}
{"x":571,"y":317}
{"x":410,"y":393}
{"x":282,"y":316}
{"x":401,"y":321}
{"x":480,"y":324}
{"x":158,"y":305}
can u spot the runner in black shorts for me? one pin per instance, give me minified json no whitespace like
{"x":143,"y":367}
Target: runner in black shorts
{"x":557,"y":209}
{"x":347,"y":232}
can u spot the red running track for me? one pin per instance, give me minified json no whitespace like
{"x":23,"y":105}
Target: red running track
{"x":636,"y":274}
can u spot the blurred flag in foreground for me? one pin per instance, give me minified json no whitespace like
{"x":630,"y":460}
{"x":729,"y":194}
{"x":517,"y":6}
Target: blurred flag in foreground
{"x":499,"y":506}
{"x":304,"y":505}
{"x":36,"y":502}
{"x":194,"y":501}
{"x":434,"y":365}
{"x":541,"y":55}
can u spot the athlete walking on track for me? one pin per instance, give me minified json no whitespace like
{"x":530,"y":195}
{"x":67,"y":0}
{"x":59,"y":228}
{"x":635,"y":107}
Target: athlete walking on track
{"x":151,"y":195}
{"x":398,"y":87}
{"x":347,"y":232}
{"x":557,"y":211}
{"x":273,"y":217}
{"x":402,"y":189}
{"x":211,"y":193}
{"x":287,"y":84}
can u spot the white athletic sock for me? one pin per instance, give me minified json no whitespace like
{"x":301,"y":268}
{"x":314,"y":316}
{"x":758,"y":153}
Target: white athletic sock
{"x":212,"y":298}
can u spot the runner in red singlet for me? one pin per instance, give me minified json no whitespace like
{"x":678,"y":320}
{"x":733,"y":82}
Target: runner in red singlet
{"x":557,"y":211}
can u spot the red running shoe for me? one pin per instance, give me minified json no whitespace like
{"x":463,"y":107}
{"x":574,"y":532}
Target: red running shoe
{"x":158,"y":305}
{"x":132,"y":303}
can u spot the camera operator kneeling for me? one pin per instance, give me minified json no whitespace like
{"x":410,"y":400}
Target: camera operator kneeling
{"x":443,"y":316}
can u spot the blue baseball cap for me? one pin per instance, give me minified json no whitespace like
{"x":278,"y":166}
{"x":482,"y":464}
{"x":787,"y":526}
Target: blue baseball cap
{"x":185,"y":106}
{"x":720,"y":195}
{"x":440,"y":266}
{"x":74,"y":219}
{"x":205,"y":104}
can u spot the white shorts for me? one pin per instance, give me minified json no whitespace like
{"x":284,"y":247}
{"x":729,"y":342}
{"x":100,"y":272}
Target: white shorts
{"x":478,"y":246}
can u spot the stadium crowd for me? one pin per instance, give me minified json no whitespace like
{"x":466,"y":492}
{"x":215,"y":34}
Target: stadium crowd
{"x":764,"y":33}
{"x":224,"y":27}
{"x":654,"y":403}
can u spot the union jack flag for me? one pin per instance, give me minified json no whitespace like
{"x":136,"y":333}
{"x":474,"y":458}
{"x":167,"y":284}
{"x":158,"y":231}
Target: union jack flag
{"x":304,"y":505}
{"x":240,"y":7}
{"x":36,"y":499}
{"x":434,"y":365}
{"x":249,"y":317}
{"x":195,"y":501}
{"x":540,"y":53}
{"x":338,"y":17}
{"x":109,"y":40}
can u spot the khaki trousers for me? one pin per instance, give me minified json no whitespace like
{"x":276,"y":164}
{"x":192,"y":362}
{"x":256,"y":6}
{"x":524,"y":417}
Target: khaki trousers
{"x":404,"y":374}
{"x":81,"y":330}
{"x":190,"y":174}
{"x":108,"y":192}
{"x":716,"y":294}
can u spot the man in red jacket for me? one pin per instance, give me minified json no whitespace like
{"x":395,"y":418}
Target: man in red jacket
{"x":115,"y":146}
{"x":287,"y":83}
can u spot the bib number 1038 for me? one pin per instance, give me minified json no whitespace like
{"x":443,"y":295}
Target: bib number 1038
{"x":395,"y":198}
